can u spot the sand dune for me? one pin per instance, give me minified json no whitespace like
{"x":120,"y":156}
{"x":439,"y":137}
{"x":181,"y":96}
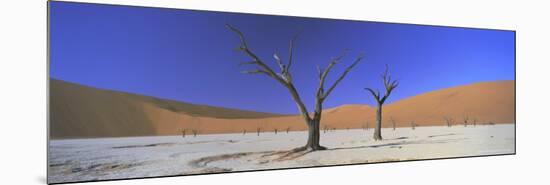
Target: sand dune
{"x":78,"y":111}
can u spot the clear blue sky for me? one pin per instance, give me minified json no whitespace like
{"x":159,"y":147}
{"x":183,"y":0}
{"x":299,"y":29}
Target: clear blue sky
{"x":190,"y":56}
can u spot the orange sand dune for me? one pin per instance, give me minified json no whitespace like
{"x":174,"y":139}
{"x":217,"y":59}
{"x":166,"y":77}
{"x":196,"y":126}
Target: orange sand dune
{"x":78,"y":111}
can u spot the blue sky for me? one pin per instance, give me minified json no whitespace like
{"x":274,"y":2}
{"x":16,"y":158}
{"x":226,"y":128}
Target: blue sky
{"x":190,"y":56}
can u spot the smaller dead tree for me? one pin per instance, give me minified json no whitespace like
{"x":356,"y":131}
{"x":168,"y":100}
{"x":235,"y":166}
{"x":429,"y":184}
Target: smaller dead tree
{"x":275,"y":131}
{"x":413,"y":125}
{"x":195,"y":132}
{"x":258,"y":130}
{"x":475,"y":121}
{"x":244,"y":132}
{"x":287,"y":129}
{"x":389,"y":86}
{"x":466,"y":119}
{"x":449,"y":121}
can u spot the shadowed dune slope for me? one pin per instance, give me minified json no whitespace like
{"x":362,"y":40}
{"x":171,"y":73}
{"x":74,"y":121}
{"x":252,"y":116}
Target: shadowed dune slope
{"x":78,"y":111}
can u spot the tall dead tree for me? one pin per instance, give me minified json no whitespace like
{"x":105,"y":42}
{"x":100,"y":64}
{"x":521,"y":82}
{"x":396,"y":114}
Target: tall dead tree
{"x":389,"y":86}
{"x":284,"y":78}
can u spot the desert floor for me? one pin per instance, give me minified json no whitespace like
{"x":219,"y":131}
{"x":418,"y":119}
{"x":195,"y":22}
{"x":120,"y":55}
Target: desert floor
{"x":73,"y":160}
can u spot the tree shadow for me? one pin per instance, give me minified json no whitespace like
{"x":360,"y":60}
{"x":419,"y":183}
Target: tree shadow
{"x":400,"y":144}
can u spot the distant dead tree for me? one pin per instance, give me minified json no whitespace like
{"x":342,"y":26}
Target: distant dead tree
{"x":448,"y":120}
{"x":389,"y":86}
{"x":413,"y":125}
{"x":475,"y":122}
{"x":275,"y":130}
{"x":287,"y":129}
{"x":183,"y":132}
{"x":392,"y":122}
{"x":325,"y":129}
{"x":466,"y":119}
{"x":285,"y":79}
{"x":244,"y":131}
{"x":258,"y":130}
{"x":195,"y":132}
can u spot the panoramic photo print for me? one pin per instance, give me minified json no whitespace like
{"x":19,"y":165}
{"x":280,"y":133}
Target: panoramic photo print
{"x":140,"y":92}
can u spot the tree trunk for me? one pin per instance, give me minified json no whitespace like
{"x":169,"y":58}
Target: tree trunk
{"x":313,"y":136}
{"x":378,"y":125}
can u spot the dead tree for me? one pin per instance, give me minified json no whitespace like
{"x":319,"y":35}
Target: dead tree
{"x":244,"y":131}
{"x":285,"y":79}
{"x":466,"y":119}
{"x":389,"y":86}
{"x":195,"y":132}
{"x":448,"y":120}
{"x":287,"y":129}
{"x":475,"y":121}
{"x":258,"y":130}
{"x":413,"y":125}
{"x":275,"y":131}
{"x":392,"y":122}
{"x":183,"y":132}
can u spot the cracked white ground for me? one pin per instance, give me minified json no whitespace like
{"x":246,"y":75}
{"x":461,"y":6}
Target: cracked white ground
{"x":117,"y":158}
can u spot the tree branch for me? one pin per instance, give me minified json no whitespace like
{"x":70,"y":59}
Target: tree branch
{"x":290,"y":50}
{"x":263,"y":66}
{"x":257,"y":71}
{"x":357,"y":60}
{"x":376,"y":94}
{"x":284,"y":78}
{"x":389,"y":85}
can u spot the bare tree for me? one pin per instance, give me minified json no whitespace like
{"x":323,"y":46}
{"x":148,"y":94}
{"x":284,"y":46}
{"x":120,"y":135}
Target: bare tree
{"x":392,"y":122}
{"x":195,"y":132}
{"x":413,"y":125}
{"x":244,"y":131}
{"x":258,"y":130}
{"x":183,"y":132}
{"x":466,"y":119}
{"x":287,"y":129}
{"x":285,"y":79}
{"x":275,"y":130}
{"x":448,"y":120}
{"x":389,"y":86}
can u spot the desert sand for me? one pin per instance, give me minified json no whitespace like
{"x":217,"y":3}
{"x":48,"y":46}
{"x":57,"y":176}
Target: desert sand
{"x":79,"y":111}
{"x":114,"y":158}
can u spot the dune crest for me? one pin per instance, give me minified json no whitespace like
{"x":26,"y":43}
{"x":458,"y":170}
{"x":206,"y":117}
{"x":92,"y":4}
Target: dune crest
{"x":78,"y":111}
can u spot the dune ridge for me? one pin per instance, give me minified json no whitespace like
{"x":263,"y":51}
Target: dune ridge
{"x":78,"y":111}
